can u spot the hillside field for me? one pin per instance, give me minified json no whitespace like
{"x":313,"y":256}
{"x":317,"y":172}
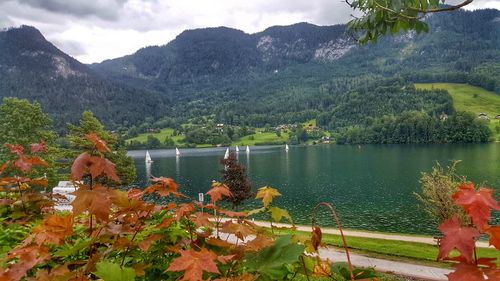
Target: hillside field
{"x":473,"y":99}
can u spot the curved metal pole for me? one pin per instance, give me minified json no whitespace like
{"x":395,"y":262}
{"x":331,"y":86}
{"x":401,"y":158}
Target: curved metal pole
{"x":334,"y":215}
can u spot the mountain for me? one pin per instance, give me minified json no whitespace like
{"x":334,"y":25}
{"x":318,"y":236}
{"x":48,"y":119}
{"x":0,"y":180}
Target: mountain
{"x":33,"y":68}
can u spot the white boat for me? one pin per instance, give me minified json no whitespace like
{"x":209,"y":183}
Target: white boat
{"x":237,"y":149}
{"x":286,"y":147}
{"x":177,"y":152}
{"x":226,"y":155}
{"x":248,"y":149}
{"x":148,"y":157}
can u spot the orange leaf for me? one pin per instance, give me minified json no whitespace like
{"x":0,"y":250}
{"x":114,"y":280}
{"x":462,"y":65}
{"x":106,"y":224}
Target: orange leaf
{"x":466,"y":272}
{"x":494,"y":233}
{"x":218,"y":243}
{"x":54,"y":229}
{"x":146,"y":243}
{"x":165,"y":182}
{"x":476,"y":204}
{"x":15,"y":149}
{"x":79,"y":166}
{"x":225,"y":259}
{"x":258,"y":243}
{"x":28,"y":258}
{"x":183,"y":210}
{"x":218,"y":191}
{"x":232,"y":214}
{"x":194,"y":264}
{"x":316,"y":237}
{"x":101,"y":165}
{"x":201,"y":219}
{"x":459,"y":237}
{"x":99,"y":144}
{"x":96,"y":201}
{"x":239,"y":229}
{"x":38,"y":147}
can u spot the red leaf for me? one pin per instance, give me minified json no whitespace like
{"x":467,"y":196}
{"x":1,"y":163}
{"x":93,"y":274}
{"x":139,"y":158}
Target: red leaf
{"x":96,"y":165}
{"x":165,"y":182}
{"x":99,"y":144}
{"x":466,"y":272}
{"x":316,"y":237}
{"x":494,"y":233}
{"x":183,"y":210}
{"x":201,"y":219}
{"x":258,"y":243}
{"x":54,"y":229}
{"x":146,"y":243}
{"x":96,"y":201}
{"x":80,"y":166}
{"x":194,"y":264}
{"x":232,"y":214}
{"x":476,"y":204}
{"x":239,"y":229}
{"x":28,"y":258}
{"x":218,"y":191}
{"x":15,"y":149}
{"x":38,"y":147}
{"x":456,"y":236}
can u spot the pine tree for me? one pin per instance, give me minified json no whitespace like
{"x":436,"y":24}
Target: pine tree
{"x":235,"y":177}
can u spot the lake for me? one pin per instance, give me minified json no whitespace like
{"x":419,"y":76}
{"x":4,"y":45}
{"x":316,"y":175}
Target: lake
{"x":370,"y":186}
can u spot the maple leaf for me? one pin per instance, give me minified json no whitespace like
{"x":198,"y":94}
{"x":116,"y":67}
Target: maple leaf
{"x":316,"y":236}
{"x":466,"y":272}
{"x":239,"y":229}
{"x":39,"y":182}
{"x":218,"y":191}
{"x":165,"y":182}
{"x":267,"y":194}
{"x":79,"y":166}
{"x":183,"y":210}
{"x":201,"y":219}
{"x":38,"y":147}
{"x":277,"y":214}
{"x":218,"y":243}
{"x":15,"y":149}
{"x":26,"y":163}
{"x":99,"y":144}
{"x":194,"y":264}
{"x":96,"y":201}
{"x":4,"y":166}
{"x":232,"y":214}
{"x":146,"y":243}
{"x":323,"y":269}
{"x":494,"y":233}
{"x":54,"y":229}
{"x":477,"y":205}
{"x":28,"y":257}
{"x":101,"y":165}
{"x":457,"y":236}
{"x":258,"y":243}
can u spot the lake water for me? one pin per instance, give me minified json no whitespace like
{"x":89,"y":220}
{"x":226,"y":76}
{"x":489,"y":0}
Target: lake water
{"x":371,"y":186}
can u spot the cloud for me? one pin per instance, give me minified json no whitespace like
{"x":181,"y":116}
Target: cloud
{"x":94,"y":30}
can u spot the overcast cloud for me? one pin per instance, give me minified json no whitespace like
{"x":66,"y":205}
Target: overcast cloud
{"x":95,"y":30}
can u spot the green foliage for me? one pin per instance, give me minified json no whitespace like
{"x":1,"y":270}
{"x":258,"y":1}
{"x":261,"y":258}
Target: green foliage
{"x":272,"y":262}
{"x":109,"y":271}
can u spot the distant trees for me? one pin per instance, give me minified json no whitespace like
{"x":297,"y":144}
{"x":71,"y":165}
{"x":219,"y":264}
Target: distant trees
{"x":234,"y":176}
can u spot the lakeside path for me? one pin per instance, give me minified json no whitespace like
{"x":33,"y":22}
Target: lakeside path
{"x":406,"y":269}
{"x":367,"y":234}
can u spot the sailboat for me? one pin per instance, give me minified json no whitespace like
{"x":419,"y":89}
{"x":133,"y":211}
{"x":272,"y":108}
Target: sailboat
{"x":177,"y":152}
{"x":148,"y":157}
{"x":248,"y":149}
{"x":237,"y":149}
{"x":226,"y":155}
{"x":286,"y":147}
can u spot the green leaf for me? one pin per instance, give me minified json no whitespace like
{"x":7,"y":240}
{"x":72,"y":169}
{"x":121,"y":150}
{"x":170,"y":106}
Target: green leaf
{"x":277,"y":214}
{"x":109,"y":271}
{"x":73,"y":249}
{"x":271,"y":261}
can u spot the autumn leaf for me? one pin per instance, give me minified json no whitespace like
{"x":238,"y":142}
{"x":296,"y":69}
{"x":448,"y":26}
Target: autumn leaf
{"x":15,"y":149}
{"x":201,"y":219}
{"x":28,"y":257}
{"x":466,"y":272}
{"x":267,"y":194}
{"x":183,"y":210}
{"x":99,"y":144}
{"x":494,"y":233}
{"x":25,"y":164}
{"x":194,"y":264}
{"x":459,"y":237}
{"x":218,"y":191}
{"x":316,"y":236}
{"x":54,"y":229}
{"x":258,"y":243}
{"x":96,"y":201}
{"x":239,"y":229}
{"x":322,"y":269}
{"x":165,"y":182}
{"x":146,"y":243}
{"x":277,"y":214}
{"x":218,"y":243}
{"x":476,"y":204}
{"x":38,"y":147}
{"x":232,"y":214}
{"x":79,"y":166}
{"x":100,"y":165}
{"x":4,"y":166}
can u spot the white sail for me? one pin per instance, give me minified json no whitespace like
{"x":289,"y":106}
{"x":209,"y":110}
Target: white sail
{"x":177,"y":152}
{"x":286,"y":147}
{"x":248,"y":149}
{"x":148,"y":157}
{"x":237,"y":149}
{"x":226,"y":155}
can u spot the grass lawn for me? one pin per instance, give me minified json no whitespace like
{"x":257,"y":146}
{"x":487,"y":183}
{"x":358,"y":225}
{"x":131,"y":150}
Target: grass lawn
{"x":464,"y":100}
{"x":160,"y":135}
{"x":413,"y":252}
{"x":260,"y":137}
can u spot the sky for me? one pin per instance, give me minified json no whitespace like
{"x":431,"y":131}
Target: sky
{"x":95,"y":30}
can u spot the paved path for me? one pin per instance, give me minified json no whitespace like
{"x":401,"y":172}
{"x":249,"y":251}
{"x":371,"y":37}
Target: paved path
{"x":365,"y":234}
{"x":400,"y":268}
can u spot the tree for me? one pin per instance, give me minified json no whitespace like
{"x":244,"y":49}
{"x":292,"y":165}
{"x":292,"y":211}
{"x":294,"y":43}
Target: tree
{"x":234,"y":176}
{"x":393,"y":16}
{"x":89,"y":124}
{"x":24,"y":123}
{"x":437,"y":189}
